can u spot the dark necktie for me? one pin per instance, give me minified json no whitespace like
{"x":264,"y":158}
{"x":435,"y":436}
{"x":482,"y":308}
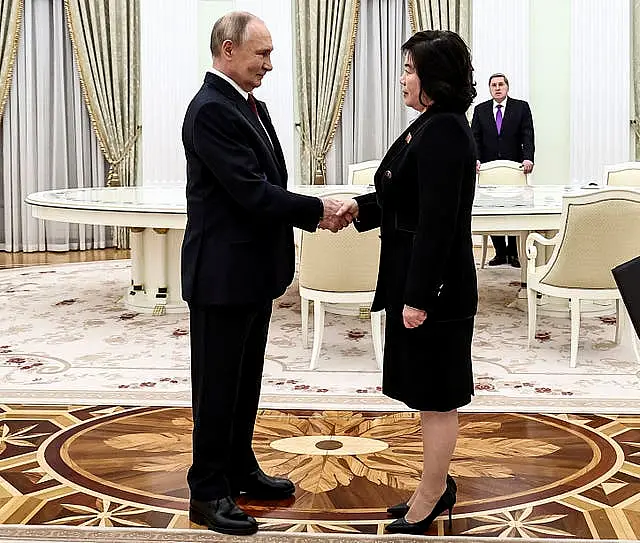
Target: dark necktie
{"x":498,"y":117}
{"x":252,"y":104}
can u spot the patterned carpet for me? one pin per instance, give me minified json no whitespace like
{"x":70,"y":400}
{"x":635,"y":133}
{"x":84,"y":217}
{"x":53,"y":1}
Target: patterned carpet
{"x":66,"y":337}
{"x":44,"y":534}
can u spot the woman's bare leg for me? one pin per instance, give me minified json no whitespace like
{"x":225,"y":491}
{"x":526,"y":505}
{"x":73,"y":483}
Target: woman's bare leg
{"x":439,"y":436}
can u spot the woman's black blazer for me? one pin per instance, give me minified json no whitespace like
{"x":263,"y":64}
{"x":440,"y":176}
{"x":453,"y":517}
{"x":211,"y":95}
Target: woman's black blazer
{"x":424,"y":195}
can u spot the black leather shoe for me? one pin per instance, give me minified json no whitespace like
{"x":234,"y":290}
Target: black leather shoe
{"x":261,"y":486}
{"x":401,"y":509}
{"x":222,"y":515}
{"x":514,"y":261}
{"x":498,"y":261}
{"x":446,"y":501}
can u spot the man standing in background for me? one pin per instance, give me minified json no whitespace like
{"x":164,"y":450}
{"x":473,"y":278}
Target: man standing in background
{"x":503,"y":130}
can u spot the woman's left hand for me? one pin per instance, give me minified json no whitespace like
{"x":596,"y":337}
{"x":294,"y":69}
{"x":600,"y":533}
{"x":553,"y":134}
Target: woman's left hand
{"x":413,"y":317}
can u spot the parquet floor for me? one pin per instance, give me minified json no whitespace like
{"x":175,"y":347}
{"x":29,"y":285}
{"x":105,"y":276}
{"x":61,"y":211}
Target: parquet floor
{"x":18,"y":260}
{"x":518,"y":475}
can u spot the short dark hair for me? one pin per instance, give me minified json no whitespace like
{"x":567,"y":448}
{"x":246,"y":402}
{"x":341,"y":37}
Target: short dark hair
{"x":232,"y":26}
{"x":443,"y":63}
{"x":493,"y":76}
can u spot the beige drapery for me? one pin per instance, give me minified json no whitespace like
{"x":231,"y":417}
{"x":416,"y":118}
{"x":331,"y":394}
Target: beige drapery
{"x":635,"y":73}
{"x":441,"y":15}
{"x":10,"y":23}
{"x":325,"y":39}
{"x":106,"y":45}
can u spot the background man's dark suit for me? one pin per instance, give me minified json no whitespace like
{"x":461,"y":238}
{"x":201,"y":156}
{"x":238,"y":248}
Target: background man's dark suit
{"x":515,"y":142}
{"x":237,"y":256}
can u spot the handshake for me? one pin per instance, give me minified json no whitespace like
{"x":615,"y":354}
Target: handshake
{"x":338,"y":214}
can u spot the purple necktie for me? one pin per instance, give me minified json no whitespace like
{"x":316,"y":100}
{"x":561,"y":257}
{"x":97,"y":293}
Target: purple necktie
{"x":499,"y":118}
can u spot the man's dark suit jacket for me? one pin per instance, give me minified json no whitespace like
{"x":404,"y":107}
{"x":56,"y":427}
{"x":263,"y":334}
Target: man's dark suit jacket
{"x":515,"y":141}
{"x":238,"y":245}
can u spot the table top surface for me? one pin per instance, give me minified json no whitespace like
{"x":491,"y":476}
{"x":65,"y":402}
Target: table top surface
{"x":489,"y":200}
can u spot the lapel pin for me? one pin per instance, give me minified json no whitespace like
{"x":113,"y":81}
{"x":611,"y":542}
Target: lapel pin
{"x":408,"y":138}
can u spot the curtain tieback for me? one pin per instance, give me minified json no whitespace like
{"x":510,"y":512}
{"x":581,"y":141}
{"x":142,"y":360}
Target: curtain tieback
{"x":113,"y":177}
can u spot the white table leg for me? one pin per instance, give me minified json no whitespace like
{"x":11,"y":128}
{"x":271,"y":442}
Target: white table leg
{"x":155,"y":256}
{"x":137,"y":260}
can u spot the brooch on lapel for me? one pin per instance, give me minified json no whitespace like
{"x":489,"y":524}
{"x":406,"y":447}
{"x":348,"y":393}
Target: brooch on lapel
{"x":408,"y":138}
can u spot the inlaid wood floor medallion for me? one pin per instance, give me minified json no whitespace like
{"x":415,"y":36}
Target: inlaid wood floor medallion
{"x":518,"y":475}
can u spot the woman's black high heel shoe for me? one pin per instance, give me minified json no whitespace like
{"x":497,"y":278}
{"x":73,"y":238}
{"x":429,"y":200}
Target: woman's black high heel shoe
{"x":398,"y":510}
{"x":401,"y":509}
{"x":446,"y":501}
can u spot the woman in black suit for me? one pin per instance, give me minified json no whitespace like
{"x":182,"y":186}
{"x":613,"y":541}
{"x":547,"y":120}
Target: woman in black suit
{"x":427,"y":277}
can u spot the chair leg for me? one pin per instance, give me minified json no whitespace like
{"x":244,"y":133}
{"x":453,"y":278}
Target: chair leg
{"x":304,"y":313}
{"x":574,"y":309}
{"x":619,"y":323}
{"x":532,"y":313}
{"x":376,"y":335}
{"x":628,"y":330}
{"x":485,"y":241}
{"x":635,"y":342}
{"x":522,"y":255}
{"x":318,"y":332}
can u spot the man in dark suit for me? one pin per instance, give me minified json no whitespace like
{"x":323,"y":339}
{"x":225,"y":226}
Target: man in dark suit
{"x":503,"y":130}
{"x":237,"y":257}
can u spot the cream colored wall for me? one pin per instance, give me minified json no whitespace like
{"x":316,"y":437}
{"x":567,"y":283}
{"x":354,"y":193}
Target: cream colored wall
{"x":550,"y":88}
{"x":209,"y":11}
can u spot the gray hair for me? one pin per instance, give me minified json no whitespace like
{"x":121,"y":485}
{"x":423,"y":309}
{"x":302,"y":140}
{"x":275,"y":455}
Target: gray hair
{"x":233,"y":27}
{"x":493,"y":76}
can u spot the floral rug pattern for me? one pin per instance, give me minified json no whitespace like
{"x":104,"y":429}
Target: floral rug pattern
{"x":65,"y":336}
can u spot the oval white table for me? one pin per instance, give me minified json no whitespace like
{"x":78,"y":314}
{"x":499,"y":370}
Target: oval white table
{"x":157,"y":218}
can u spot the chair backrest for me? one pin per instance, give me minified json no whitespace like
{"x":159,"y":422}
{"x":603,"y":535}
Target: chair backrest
{"x":362,"y":173}
{"x":346,"y":261}
{"x":599,"y":231}
{"x":625,"y":174}
{"x":501,"y":172}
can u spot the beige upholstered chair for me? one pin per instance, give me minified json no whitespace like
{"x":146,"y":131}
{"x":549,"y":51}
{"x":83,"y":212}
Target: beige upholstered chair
{"x":340,"y":268}
{"x":625,"y":174}
{"x":499,"y":172}
{"x":599,"y":231}
{"x":362,"y":173}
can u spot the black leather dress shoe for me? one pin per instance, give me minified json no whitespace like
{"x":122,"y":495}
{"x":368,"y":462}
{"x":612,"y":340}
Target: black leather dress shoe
{"x":498,"y":261}
{"x":514,"y":261}
{"x":222,"y":515}
{"x":261,"y":486}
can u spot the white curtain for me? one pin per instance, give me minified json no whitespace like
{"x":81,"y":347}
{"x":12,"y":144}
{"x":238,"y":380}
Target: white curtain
{"x":489,"y":52}
{"x":169,"y":64}
{"x":47,"y":141}
{"x":373,"y":114}
{"x":600,"y":87}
